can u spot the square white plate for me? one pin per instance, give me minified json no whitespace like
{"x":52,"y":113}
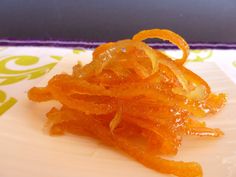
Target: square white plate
{"x":27,"y":151}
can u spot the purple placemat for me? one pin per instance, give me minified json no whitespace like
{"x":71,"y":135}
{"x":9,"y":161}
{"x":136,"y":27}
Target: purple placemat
{"x":84,"y":44}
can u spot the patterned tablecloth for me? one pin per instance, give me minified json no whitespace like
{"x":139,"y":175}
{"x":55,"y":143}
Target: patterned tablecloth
{"x":23,"y":67}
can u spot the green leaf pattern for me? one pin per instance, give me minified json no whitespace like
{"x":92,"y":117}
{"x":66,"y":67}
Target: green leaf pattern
{"x":5,"y":103}
{"x":14,"y":69}
{"x":200,"y":55}
{"x":234,"y":63}
{"x":11,"y":76}
{"x":78,"y":51}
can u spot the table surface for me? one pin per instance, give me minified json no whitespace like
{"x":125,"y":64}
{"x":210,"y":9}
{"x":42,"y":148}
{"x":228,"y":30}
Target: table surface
{"x":105,"y":20}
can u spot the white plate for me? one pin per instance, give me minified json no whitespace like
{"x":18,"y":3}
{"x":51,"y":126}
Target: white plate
{"x":27,"y":151}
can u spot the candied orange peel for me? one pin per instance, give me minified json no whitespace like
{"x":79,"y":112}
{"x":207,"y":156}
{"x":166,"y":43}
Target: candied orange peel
{"x":136,"y":99}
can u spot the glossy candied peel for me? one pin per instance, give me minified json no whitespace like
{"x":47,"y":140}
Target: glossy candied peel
{"x":136,"y":99}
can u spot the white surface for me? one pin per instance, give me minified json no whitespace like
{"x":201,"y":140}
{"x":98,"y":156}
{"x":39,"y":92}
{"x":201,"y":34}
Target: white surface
{"x":26,"y":151}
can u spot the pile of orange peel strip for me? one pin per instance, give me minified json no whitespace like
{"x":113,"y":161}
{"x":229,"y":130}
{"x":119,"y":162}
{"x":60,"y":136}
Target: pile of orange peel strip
{"x":135,"y":98}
